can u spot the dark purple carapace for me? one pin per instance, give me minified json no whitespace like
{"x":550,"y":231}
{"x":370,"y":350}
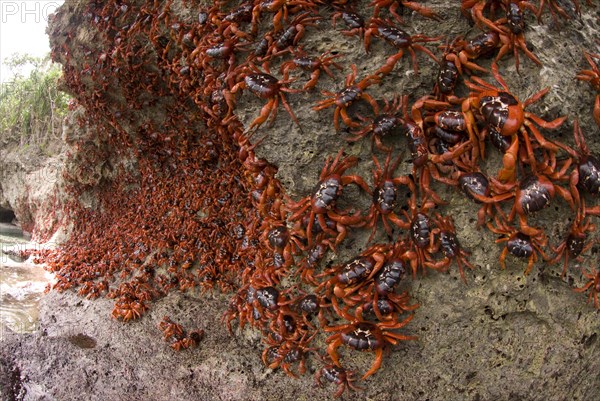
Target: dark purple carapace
{"x":384,"y":124}
{"x":262,"y":85}
{"x":327,"y":194}
{"x":362,"y":338}
{"x":447,"y":77}
{"x":385,"y":197}
{"x":420,"y":230}
{"x":309,"y":304}
{"x":533,"y":196}
{"x":268,"y":297}
{"x":395,"y":36}
{"x":389,"y":276}
{"x":589,"y":175}
{"x":520,"y":245}
{"x":514,"y":16}
{"x":348,"y":95}
{"x":474,"y":183}
{"x":278,"y":237}
{"x":449,"y":244}
{"x":495,"y":109}
{"x":352,"y":20}
{"x":356,"y":270}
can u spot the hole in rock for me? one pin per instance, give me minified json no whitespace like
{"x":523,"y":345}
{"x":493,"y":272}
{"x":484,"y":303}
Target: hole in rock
{"x":7,"y":215}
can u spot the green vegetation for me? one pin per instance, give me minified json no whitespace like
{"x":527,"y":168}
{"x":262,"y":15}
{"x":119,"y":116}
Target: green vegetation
{"x":31,"y":107}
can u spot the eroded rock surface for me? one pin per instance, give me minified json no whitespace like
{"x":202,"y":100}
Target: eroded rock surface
{"x":499,"y":336}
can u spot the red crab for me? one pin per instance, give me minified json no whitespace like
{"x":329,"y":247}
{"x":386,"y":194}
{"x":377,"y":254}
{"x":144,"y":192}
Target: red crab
{"x":462,"y":52}
{"x":385,"y":196}
{"x":281,"y":9}
{"x":484,"y":190}
{"x":519,"y":244}
{"x":511,"y":30}
{"x":586,"y":175}
{"x":343,"y":378}
{"x":126,"y":309}
{"x":322,"y":202}
{"x":533,"y":193}
{"x":354,"y":22}
{"x":349,"y":277}
{"x":393,"y":6}
{"x":284,"y":356}
{"x":265,"y":86}
{"x":593,"y":285}
{"x":593,"y":77}
{"x":504,"y":113}
{"x":170,"y":329}
{"x":344,"y":98}
{"x":450,"y":246}
{"x":401,"y":40}
{"x":366,"y":336}
{"x":422,"y":239}
{"x":556,"y":8}
{"x":314,"y":65}
{"x":575,"y":242}
{"x":382,"y":125}
{"x":277,"y":237}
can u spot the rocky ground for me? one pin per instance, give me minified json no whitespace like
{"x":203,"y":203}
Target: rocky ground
{"x":502,"y":335}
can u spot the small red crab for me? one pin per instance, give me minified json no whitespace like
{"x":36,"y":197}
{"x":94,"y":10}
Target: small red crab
{"x":556,"y":9}
{"x":127,"y":309}
{"x":449,"y":126}
{"x":519,"y":244}
{"x":447,"y":75}
{"x":586,"y":175}
{"x":502,"y":112}
{"x":422,"y":237}
{"x":450,"y":246}
{"x":426,"y":163}
{"x":170,"y":329}
{"x":189,"y":341}
{"x":314,"y":65}
{"x":394,"y":5}
{"x":265,"y":86}
{"x":322,"y":202}
{"x":354,"y":22}
{"x":281,"y":8}
{"x":343,"y":378}
{"x":593,"y":285}
{"x":511,"y":30}
{"x":242,"y":307}
{"x":575,"y":242}
{"x":461,"y":52}
{"x":593,"y":77}
{"x":481,"y":189}
{"x":533,"y":193}
{"x":291,"y":35}
{"x":401,"y":40}
{"x":344,"y":98}
{"x":349,"y":277}
{"x":385,"y":196}
{"x":382,"y":125}
{"x":366,"y":336}
{"x":278,"y":238}
{"x":284,"y":356}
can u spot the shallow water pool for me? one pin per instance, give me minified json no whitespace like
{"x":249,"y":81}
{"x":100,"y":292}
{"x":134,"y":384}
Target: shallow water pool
{"x":22,"y":284}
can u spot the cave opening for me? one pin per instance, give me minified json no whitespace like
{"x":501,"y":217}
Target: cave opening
{"x":7,"y":215}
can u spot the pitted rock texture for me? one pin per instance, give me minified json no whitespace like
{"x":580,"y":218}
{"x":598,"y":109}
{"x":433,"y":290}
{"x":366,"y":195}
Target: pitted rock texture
{"x":502,"y":335}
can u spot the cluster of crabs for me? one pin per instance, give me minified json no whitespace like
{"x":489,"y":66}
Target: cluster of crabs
{"x":173,"y":226}
{"x":450,"y":138}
